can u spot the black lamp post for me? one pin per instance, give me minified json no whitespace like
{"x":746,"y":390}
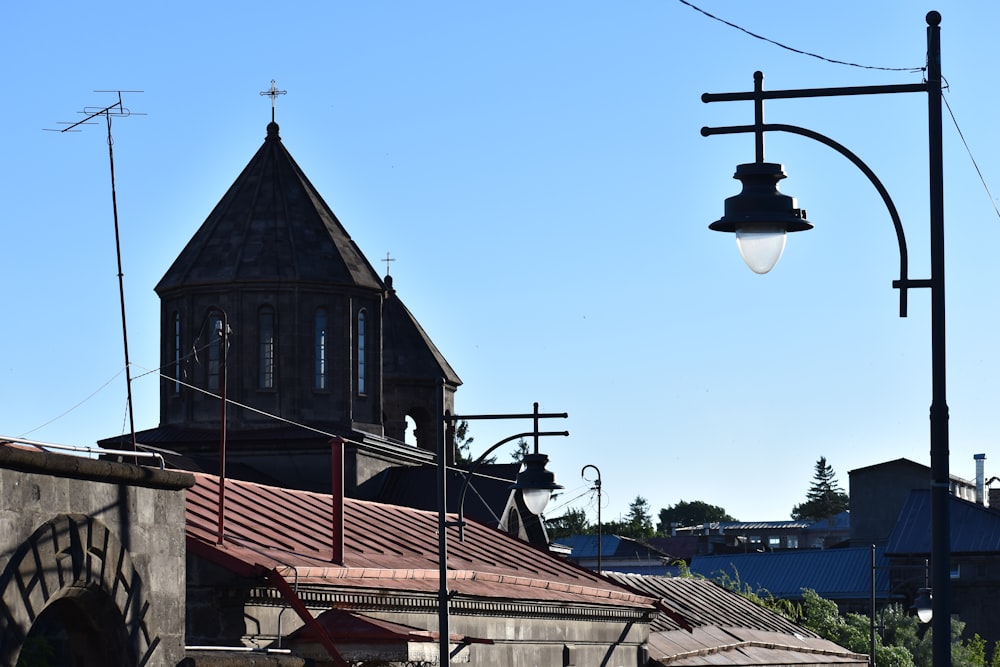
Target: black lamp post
{"x":535,"y":482}
{"x":760,"y":217}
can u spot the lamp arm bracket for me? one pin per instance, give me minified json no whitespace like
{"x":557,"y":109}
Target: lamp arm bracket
{"x":904,"y":282}
{"x":800,"y":93}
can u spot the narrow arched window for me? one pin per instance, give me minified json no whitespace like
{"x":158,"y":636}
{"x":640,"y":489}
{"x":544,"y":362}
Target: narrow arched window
{"x":361,"y":351}
{"x":265,"y":356}
{"x":321,"y":349}
{"x":177,"y":353}
{"x":214,"y":347}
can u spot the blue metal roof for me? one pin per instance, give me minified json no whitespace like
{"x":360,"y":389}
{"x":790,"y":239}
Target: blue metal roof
{"x":612,"y":546}
{"x":841,"y":521}
{"x":974,"y":528}
{"x":833,"y":573}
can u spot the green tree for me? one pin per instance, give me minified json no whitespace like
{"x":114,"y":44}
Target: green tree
{"x":573,"y":522}
{"x":852,"y":631}
{"x":463,"y":442}
{"x":522,"y":450}
{"x":638,"y":523}
{"x":690,"y":514}
{"x":825,"y":498}
{"x":463,"y":445}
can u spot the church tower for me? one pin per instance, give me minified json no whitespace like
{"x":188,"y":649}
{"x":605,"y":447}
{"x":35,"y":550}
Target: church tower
{"x":273,"y":304}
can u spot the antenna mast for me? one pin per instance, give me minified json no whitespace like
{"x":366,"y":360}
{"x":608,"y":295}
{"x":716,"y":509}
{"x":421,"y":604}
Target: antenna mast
{"x":116,"y":110}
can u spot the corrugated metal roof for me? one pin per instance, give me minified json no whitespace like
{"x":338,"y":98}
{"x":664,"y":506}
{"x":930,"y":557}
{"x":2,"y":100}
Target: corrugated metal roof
{"x":974,"y":528}
{"x":833,"y":573}
{"x":727,"y":629}
{"x":718,"y":647}
{"x":704,"y":603}
{"x":385,"y":547}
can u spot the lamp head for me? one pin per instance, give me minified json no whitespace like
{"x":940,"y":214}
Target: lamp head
{"x":924,"y":605}
{"x":536,"y":482}
{"x":760,"y":215}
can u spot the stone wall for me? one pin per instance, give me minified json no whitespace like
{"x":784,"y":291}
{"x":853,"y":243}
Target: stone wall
{"x":91,"y":559}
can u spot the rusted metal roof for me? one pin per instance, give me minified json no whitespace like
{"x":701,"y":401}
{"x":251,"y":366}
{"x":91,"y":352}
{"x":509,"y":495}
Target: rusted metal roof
{"x":384,"y":547}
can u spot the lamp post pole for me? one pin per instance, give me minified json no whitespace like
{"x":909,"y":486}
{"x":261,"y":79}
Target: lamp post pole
{"x":597,"y":487}
{"x":535,"y":478}
{"x":760,"y":217}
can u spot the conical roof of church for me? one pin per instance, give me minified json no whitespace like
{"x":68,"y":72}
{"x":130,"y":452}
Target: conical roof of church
{"x":407,"y":350}
{"x":271,"y":225}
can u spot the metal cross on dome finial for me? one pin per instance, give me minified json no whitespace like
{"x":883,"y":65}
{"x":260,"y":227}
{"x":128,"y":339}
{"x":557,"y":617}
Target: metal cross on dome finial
{"x":387,"y":259}
{"x":273,"y":94}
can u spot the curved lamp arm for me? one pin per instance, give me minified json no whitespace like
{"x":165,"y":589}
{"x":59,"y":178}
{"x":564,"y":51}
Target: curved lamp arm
{"x":904,"y":283}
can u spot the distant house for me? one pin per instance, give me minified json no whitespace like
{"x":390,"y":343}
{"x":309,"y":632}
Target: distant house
{"x":975,"y":558}
{"x":752,"y":536}
{"x":878,"y":492}
{"x":890,"y":507}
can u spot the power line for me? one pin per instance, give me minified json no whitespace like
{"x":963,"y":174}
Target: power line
{"x":971,"y":157}
{"x":799,"y":51}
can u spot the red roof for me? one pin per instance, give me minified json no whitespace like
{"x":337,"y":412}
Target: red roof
{"x":385,"y":547}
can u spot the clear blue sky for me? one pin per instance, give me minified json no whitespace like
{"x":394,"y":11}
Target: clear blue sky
{"x":537,"y":172}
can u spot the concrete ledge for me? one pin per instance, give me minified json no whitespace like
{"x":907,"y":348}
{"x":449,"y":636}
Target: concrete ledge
{"x":239,"y":659}
{"x":95,"y":470}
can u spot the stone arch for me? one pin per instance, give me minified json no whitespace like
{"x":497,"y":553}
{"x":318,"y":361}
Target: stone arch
{"x":73,"y":570}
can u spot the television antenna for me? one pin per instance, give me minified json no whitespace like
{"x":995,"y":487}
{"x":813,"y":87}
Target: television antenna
{"x":115,"y":110}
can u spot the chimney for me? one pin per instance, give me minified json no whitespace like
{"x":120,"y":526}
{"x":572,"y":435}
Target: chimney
{"x":337,"y":500}
{"x":980,"y":479}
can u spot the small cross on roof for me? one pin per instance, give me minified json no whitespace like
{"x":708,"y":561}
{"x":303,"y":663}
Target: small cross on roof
{"x":273,"y":94}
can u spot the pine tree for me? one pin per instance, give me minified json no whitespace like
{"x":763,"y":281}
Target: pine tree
{"x":825,"y":497}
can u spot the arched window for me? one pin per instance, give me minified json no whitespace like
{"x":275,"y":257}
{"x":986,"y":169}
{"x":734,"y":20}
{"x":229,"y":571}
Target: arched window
{"x":214,"y":347}
{"x":361,"y":351}
{"x":177,"y":353}
{"x":265,"y":356}
{"x":321,"y":349}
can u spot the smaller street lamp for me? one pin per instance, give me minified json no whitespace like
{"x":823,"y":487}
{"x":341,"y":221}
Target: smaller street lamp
{"x":597,"y":487}
{"x":924,"y":605}
{"x":536,"y":482}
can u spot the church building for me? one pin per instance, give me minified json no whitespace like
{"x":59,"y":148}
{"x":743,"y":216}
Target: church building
{"x":272,"y":306}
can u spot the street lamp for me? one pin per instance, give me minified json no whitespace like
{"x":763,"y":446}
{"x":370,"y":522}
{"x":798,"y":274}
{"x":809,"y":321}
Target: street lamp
{"x":761,"y":217}
{"x":597,"y":487}
{"x":924,"y":605}
{"x":535,"y":482}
